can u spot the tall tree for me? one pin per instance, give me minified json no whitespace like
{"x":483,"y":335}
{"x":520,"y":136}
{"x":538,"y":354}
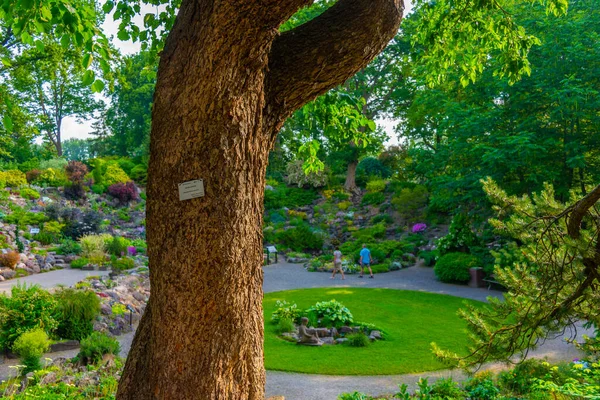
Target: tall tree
{"x":53,"y":88}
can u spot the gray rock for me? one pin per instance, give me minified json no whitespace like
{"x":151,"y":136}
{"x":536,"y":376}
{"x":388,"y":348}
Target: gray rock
{"x":345,"y":329}
{"x":50,"y":259}
{"x":8,"y":273}
{"x":340,"y":340}
{"x":49,"y":379}
{"x":105,"y":309}
{"x":1,"y":278}
{"x":328,"y":340}
{"x":375,"y":335}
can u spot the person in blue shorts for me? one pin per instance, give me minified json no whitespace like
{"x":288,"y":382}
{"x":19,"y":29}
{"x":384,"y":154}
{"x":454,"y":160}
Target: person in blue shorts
{"x":365,"y":261}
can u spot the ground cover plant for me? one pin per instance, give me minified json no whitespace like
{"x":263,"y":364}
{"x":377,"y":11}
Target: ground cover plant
{"x":410,"y":320}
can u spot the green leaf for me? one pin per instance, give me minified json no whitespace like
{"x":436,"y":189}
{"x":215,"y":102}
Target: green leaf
{"x":65,"y":41}
{"x":39,"y":45}
{"x":98,"y":86}
{"x":26,"y":38}
{"x":123,"y":35}
{"x":8,"y":123}
{"x":87,"y":60}
{"x":6,"y":61}
{"x":88,"y":77}
{"x":107,"y":7}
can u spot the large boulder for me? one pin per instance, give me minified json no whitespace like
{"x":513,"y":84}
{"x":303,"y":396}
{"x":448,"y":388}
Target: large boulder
{"x":8,"y":273}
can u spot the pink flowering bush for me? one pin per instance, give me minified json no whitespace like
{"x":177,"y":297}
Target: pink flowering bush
{"x":420,"y":227}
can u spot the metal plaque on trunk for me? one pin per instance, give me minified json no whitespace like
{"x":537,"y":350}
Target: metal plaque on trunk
{"x":191,"y":189}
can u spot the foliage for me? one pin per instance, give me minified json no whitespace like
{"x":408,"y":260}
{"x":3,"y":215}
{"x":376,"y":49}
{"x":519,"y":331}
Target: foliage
{"x":429,"y":257}
{"x":560,"y":244}
{"x":372,"y":167}
{"x":285,"y":325}
{"x":118,"y":309}
{"x":284,"y":310}
{"x":446,"y":388}
{"x":376,"y":185}
{"x":68,"y":246}
{"x":31,"y":346}
{"x":76,"y":311}
{"x":297,"y":176}
{"x":93,"y":247}
{"x":14,"y":178}
{"x":124,"y":192}
{"x":29,"y":193}
{"x":52,"y":177}
{"x":76,"y":172}
{"x":117,"y":246}
{"x":32,"y":176}
{"x":79,"y":223}
{"x":289,"y":197}
{"x":27,"y":308}
{"x":10,"y":259}
{"x":122,"y":264}
{"x":460,"y":237}
{"x":114,"y":174}
{"x":385,"y":218}
{"x":454,"y":267}
{"x":358,"y":339}
{"x":333,"y":311}
{"x":365,"y":235}
{"x":139,"y":174}
{"x":95,"y":346}
{"x":373,"y":199}
{"x":410,"y":202}
{"x":80,"y":262}
{"x":300,"y":238}
{"x":344,"y":205}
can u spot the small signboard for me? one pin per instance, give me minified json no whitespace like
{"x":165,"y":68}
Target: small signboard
{"x":271,"y":249}
{"x":191,"y":189}
{"x":34,"y":231}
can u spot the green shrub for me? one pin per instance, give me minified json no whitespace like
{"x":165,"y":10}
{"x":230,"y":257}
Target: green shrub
{"x":79,"y":263}
{"x":76,"y":311}
{"x":371,"y":166}
{"x":68,"y":246}
{"x":139,"y":174}
{"x":54,"y":163}
{"x":334,"y":311}
{"x":285,"y":325}
{"x":447,"y":389}
{"x":119,"y":309}
{"x":29,"y":193}
{"x":358,"y":340}
{"x":290,"y":197}
{"x":14,"y":178}
{"x":114,"y":174}
{"x":481,"y":387}
{"x":376,"y":185}
{"x":300,"y":238}
{"x":454,"y":267}
{"x":386,"y":219}
{"x":94,"y":247}
{"x":98,"y":188}
{"x":27,"y":308}
{"x":369,"y":234}
{"x":285,"y":310}
{"x":52,"y":177}
{"x":95,"y":346}
{"x":117,"y":246}
{"x":344,"y":205}
{"x":428,"y":257}
{"x":30,"y":347}
{"x":122,"y":264}
{"x":373,"y":199}
{"x":460,"y":237}
{"x":410,"y":203}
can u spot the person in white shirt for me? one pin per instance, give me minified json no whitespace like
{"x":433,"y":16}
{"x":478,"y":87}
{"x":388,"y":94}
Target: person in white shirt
{"x":337,"y":263}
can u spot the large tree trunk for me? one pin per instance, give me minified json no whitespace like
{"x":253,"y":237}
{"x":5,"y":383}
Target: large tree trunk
{"x":222,"y":93}
{"x":350,"y":184}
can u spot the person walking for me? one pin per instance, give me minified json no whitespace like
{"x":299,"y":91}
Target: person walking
{"x":365,"y":261}
{"x":337,"y":263}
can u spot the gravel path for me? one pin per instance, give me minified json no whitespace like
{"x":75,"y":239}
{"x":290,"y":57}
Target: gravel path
{"x":293,"y":386}
{"x":68,"y":277}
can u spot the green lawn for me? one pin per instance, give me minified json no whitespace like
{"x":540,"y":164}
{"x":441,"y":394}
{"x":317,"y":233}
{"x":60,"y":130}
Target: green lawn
{"x":411,"y":320}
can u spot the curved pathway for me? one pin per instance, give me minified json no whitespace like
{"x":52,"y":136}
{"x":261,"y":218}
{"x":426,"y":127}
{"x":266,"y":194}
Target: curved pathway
{"x":294,"y":386}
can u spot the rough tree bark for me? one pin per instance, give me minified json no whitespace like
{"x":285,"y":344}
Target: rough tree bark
{"x":227,"y":81}
{"x":350,"y":184}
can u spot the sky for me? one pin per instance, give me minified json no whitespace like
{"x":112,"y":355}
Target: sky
{"x":71,"y":128}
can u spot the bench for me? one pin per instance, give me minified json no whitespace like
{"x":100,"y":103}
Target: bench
{"x":491,"y":281}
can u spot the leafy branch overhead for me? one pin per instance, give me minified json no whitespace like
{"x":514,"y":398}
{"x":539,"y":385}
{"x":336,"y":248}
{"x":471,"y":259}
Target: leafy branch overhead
{"x":554,"y":289}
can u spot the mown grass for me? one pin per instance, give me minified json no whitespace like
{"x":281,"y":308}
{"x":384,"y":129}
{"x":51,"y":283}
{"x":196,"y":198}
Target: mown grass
{"x":411,"y":321}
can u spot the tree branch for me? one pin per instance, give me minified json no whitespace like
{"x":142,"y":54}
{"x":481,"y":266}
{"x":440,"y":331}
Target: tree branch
{"x":324,"y":52}
{"x":579,"y":210}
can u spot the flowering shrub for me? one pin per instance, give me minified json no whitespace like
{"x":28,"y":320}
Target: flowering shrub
{"x":420,"y":227}
{"x":131,"y":251}
{"x":124,"y":192}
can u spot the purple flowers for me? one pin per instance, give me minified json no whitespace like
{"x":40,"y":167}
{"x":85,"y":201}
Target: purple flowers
{"x":131,"y":251}
{"x":420,"y":227}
